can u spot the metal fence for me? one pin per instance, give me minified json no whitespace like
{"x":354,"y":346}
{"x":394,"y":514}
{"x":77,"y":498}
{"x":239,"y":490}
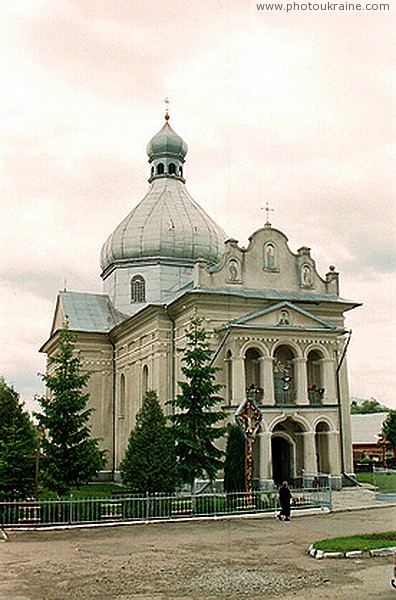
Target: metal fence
{"x":134,"y":508}
{"x":385,"y":483}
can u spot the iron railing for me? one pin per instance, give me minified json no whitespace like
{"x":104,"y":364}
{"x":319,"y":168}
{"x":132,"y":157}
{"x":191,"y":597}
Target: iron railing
{"x":70,"y":511}
{"x":384,"y":483}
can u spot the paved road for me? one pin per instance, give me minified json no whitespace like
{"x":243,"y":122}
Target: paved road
{"x":242,"y":558}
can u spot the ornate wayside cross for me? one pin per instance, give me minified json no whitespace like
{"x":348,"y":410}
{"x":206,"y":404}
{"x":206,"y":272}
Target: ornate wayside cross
{"x":249,"y":417}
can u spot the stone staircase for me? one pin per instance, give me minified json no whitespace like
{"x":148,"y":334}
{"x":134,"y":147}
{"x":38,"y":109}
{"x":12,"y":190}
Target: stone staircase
{"x":353,"y":498}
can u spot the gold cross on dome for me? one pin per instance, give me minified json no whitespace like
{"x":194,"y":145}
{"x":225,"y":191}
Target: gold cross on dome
{"x":166,"y":101}
{"x":267,"y":210}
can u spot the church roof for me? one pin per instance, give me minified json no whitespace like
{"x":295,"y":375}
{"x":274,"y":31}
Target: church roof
{"x":166,"y":224}
{"x":269,"y":294}
{"x":366,"y":428}
{"x":167,"y":143}
{"x":89,"y":312}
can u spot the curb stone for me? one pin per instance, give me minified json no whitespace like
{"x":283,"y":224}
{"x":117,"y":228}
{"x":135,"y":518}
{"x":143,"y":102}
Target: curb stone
{"x":3,"y":536}
{"x":383,"y":551}
{"x":356,"y":554}
{"x":312,"y":551}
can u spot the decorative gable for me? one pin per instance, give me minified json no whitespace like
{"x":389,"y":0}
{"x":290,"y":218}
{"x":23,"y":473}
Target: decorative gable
{"x":266,"y":264}
{"x":283,"y":315}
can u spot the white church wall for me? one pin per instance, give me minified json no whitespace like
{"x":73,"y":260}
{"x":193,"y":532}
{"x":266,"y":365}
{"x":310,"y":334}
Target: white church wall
{"x":256,"y":268}
{"x":161,"y":281}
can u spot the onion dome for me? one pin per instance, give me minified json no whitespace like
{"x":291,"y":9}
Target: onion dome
{"x":167,"y":143}
{"x":166,"y":152}
{"x":166,"y":225}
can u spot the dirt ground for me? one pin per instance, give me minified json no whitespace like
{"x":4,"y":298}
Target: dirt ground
{"x":239,"y":558}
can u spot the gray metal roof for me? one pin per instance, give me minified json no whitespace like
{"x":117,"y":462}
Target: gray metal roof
{"x":365,"y":428}
{"x":167,"y":142}
{"x":90,"y":312}
{"x":282,"y":295}
{"x":167,"y":223}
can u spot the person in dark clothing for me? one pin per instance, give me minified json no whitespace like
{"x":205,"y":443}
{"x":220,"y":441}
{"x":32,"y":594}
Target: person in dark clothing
{"x":284,"y":500}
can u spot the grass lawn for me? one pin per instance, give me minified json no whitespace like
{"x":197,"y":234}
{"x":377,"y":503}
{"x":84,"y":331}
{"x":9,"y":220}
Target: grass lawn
{"x":386,"y":482}
{"x":102,"y":489}
{"x":364,"y":542}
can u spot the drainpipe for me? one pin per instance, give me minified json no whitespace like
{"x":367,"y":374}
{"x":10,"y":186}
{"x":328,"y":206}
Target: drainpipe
{"x":340,"y":363}
{"x":113,"y":400}
{"x":172,"y":357}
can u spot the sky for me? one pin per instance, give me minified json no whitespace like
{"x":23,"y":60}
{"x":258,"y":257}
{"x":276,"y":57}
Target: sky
{"x":292,"y":108}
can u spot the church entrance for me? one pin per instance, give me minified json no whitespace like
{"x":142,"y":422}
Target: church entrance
{"x":280,"y":460}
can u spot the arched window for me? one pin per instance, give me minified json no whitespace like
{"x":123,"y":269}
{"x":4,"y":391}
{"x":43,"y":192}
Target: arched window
{"x":322,"y":447}
{"x":181,"y":171}
{"x":122,"y":396}
{"x":145,"y":380}
{"x":306,"y":276}
{"x":269,"y":257}
{"x":314,"y":377}
{"x":229,"y":376}
{"x":138,"y":289}
{"x":233,"y":270}
{"x":252,"y":369}
{"x":284,"y":381}
{"x":160,"y":169}
{"x":152,"y":171}
{"x":172,"y":169}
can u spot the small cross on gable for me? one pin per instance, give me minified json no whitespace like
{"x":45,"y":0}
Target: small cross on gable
{"x":267,"y":210}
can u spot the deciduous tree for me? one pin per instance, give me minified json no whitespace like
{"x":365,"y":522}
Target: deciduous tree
{"x":367,"y":407}
{"x":389,"y":429}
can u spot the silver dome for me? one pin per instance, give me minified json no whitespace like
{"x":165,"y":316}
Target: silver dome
{"x":166,"y":224}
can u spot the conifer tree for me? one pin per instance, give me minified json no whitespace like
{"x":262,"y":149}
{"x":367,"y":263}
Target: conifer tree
{"x":194,"y":421}
{"x":150,"y":460}
{"x":234,"y":464}
{"x":73,"y":457}
{"x":17,"y":442}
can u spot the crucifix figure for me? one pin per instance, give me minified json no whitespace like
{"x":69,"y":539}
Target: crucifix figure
{"x":267,"y":210}
{"x":249,"y":417}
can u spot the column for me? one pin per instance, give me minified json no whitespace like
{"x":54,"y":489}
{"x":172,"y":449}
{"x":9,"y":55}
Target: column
{"x":238,"y":379}
{"x":310,"y":467}
{"x":265,"y":457}
{"x":267,"y":379}
{"x":300,"y":371}
{"x":334,"y":450}
{"x":329,"y":380}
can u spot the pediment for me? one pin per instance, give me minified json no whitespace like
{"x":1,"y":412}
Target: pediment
{"x":283,"y":315}
{"x":58,"y":321}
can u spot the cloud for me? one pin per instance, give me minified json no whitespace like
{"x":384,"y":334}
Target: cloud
{"x":296,"y":110}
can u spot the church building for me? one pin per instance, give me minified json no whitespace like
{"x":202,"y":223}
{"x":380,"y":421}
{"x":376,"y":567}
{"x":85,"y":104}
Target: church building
{"x":276,"y":326}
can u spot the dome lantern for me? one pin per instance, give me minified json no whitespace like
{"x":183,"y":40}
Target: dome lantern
{"x":166,"y":152}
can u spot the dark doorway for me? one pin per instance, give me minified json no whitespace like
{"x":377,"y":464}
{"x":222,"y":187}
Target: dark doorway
{"x":280,"y":460}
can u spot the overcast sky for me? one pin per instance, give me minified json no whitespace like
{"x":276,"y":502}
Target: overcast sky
{"x":296,"y":109}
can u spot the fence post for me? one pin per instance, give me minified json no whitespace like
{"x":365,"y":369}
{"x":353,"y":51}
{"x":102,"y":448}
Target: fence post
{"x":330,"y":492}
{"x":375,"y":482}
